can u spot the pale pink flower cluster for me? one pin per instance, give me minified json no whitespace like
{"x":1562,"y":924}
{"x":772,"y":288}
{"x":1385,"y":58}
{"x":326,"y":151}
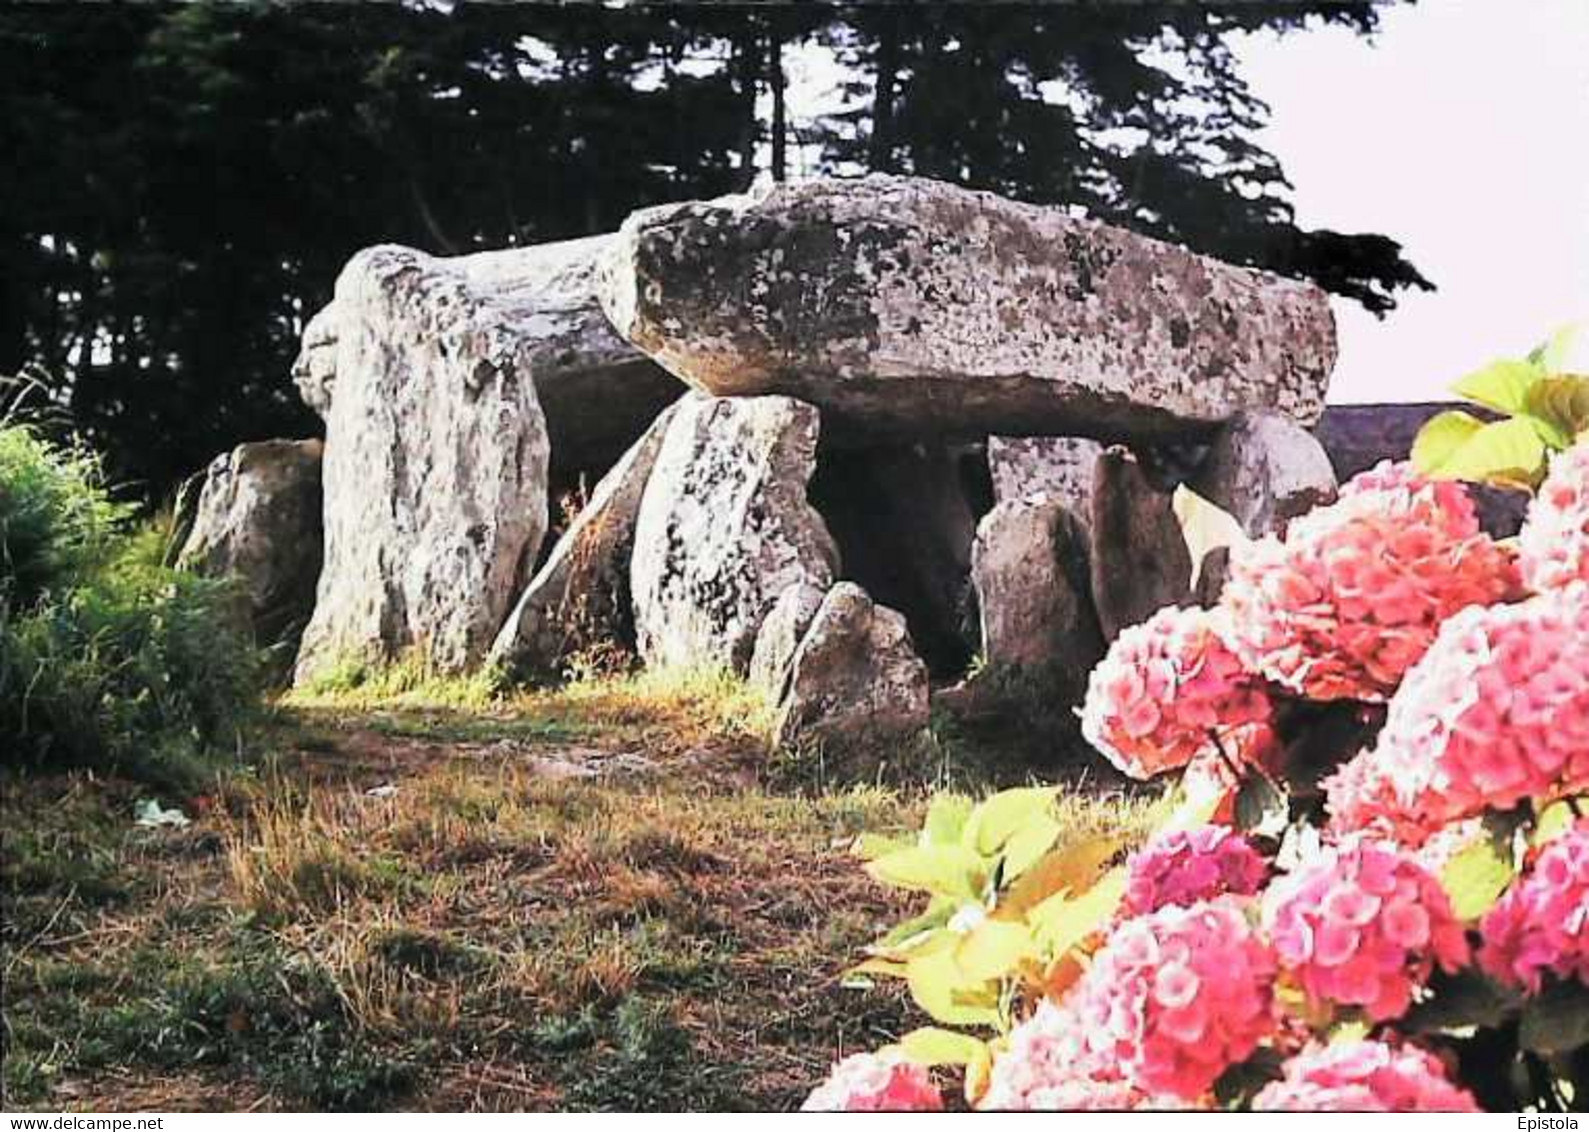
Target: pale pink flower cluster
{"x":1497,"y":711}
{"x":1364,"y":1076}
{"x":1541,"y":925}
{"x":1553,"y":548}
{"x":1185,"y":867}
{"x":871,"y":1082}
{"x":1176,"y":997}
{"x":1353,"y":595}
{"x":1047,"y":1067}
{"x":1362,"y":925}
{"x":1171,"y":691}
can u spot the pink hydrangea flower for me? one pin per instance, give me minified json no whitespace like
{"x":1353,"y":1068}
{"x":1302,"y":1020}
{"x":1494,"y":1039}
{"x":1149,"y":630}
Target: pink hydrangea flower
{"x":1497,"y":711}
{"x":1362,"y":925}
{"x":1186,"y":867}
{"x":1553,"y":547}
{"x":1170,"y":690}
{"x":1353,"y":595}
{"x":1048,"y":1067}
{"x":1176,"y":997}
{"x":1541,"y":925}
{"x":1364,"y":1076}
{"x":871,"y":1082}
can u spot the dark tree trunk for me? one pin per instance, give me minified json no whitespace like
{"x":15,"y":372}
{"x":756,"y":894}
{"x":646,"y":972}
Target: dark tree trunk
{"x":880,"y":155}
{"x":780,"y":112}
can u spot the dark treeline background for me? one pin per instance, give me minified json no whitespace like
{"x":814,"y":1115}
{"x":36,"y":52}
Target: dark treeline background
{"x":183,"y":183}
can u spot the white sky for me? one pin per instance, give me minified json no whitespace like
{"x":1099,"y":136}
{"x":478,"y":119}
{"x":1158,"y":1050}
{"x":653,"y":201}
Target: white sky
{"x":1461,"y":130}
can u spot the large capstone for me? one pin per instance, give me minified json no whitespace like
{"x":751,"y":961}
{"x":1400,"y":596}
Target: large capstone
{"x":579,"y":599}
{"x":910,"y":305}
{"x":257,"y":519}
{"x":725,"y":528}
{"x":435,"y":466}
{"x":597,"y":392}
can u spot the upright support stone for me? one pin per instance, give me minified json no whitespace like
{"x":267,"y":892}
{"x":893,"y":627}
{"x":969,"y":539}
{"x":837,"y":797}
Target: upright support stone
{"x":1139,"y":559}
{"x":1265,"y":471}
{"x":725,"y":528}
{"x":435,"y":467}
{"x":1033,"y":589}
{"x":580,"y":596}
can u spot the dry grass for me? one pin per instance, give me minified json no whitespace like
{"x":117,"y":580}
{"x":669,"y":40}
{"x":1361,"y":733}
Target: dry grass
{"x":498,"y":933}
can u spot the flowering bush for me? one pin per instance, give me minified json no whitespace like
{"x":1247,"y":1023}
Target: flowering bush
{"x":1553,"y":548}
{"x":1495,"y":713}
{"x":1541,"y":926}
{"x":1363,"y":1076}
{"x":869,"y":1082}
{"x":1184,"y":867}
{"x":1178,"y":996}
{"x":1353,"y":595}
{"x":1361,"y":925}
{"x":1415,"y":936}
{"x":1170,"y":691}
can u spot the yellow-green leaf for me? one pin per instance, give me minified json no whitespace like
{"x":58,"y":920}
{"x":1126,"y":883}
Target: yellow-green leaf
{"x":1181,"y":809}
{"x":992,"y":949}
{"x":932,"y":1046}
{"x":1205,"y":526}
{"x":946,"y":819}
{"x":1440,"y":438}
{"x":1476,"y":877}
{"x":996,"y":819}
{"x":1554,"y":354}
{"x":1501,"y":385}
{"x":945,"y":870}
{"x":1561,"y":401}
{"x":1074,"y":868}
{"x":870,"y":846}
{"x":1028,"y":844}
{"x":1557,"y":818}
{"x":1508,"y":452}
{"x":1061,"y":922}
{"x":940,"y":988}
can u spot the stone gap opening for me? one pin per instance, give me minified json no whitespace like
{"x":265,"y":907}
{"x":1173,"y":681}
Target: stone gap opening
{"x":904,"y":516}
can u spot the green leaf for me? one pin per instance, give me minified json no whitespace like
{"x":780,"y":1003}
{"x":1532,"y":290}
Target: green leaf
{"x":1440,"y":438}
{"x":993,"y":948}
{"x":1557,"y":1019}
{"x":946,"y":818}
{"x":945,"y":870}
{"x":1561,"y":401}
{"x":1262,"y":806}
{"x":1501,"y":385}
{"x":1476,"y":877}
{"x":1000,"y":817}
{"x":932,"y":1046}
{"x":940,"y":988}
{"x":1510,"y":453}
{"x":938,"y":913}
{"x":1460,"y":1003}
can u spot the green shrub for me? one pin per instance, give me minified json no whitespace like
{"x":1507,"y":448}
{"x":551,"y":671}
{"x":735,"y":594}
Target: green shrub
{"x":56,"y":521}
{"x":107,"y":657}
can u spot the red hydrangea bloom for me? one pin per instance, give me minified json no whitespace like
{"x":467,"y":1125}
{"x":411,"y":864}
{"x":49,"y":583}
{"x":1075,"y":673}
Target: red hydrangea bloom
{"x":1541,"y":925}
{"x":1176,"y":997}
{"x":1553,"y":547}
{"x":1353,"y":595}
{"x":1497,"y":711}
{"x":1170,"y":690}
{"x":871,"y":1082}
{"x":1364,"y":1076}
{"x":1185,"y":867}
{"x":1048,"y":1067}
{"x":1362,"y":925}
